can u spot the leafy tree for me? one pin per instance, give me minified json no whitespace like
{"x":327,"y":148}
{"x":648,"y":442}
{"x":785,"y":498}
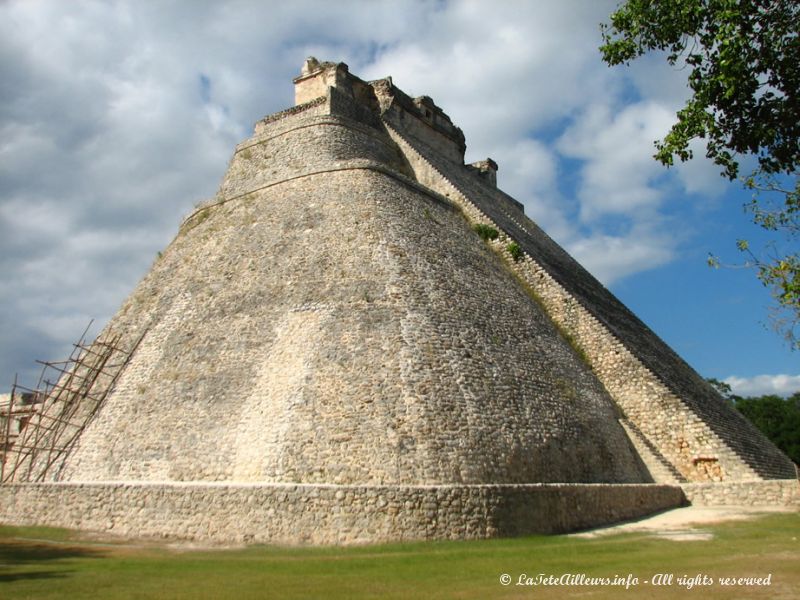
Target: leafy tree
{"x":777,"y":418}
{"x":743,"y":58}
{"x":723,"y":388}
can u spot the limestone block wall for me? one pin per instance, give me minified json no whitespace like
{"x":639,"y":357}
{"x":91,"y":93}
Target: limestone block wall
{"x":778,"y":492}
{"x":302,"y":144}
{"x":688,"y":427}
{"x":314,"y":107}
{"x":363,"y":355}
{"x":296,"y":514}
{"x":313,"y":82}
{"x":437,"y":130}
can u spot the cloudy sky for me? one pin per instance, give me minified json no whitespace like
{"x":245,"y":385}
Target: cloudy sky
{"x":117,"y":117}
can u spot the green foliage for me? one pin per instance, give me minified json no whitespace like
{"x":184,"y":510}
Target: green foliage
{"x":777,"y":418}
{"x":486,"y":232}
{"x":723,"y":388}
{"x":567,"y":389}
{"x":743,"y":58}
{"x":780,"y":272}
{"x":514,"y":250}
{"x":576,"y":347}
{"x":429,"y":216}
{"x":196,"y":219}
{"x":561,"y":330}
{"x":202,"y":215}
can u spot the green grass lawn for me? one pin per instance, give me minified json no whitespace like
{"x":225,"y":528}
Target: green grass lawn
{"x":58,"y":564}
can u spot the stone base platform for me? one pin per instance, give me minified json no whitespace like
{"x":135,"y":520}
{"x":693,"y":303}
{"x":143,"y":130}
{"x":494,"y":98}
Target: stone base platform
{"x":774,"y":492}
{"x":292,"y":514}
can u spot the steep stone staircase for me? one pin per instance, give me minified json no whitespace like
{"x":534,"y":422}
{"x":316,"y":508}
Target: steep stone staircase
{"x":596,"y":337}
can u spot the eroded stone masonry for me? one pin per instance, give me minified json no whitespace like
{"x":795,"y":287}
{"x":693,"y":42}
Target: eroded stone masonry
{"x":328,"y":352}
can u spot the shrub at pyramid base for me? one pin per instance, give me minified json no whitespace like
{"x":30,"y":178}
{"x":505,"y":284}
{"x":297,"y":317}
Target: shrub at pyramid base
{"x":328,"y":352}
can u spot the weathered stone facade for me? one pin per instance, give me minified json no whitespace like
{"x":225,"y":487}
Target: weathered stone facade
{"x":776,"y":492}
{"x":329,"y":349}
{"x":292,"y":513}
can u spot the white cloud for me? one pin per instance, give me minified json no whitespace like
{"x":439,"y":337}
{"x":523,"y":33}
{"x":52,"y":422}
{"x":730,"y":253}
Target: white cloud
{"x":700,"y":175}
{"x":495,"y":67}
{"x":613,"y":257}
{"x":762,"y":385}
{"x":661,"y":90}
{"x":528,"y":171}
{"x":527,"y":165}
{"x":619,"y":174}
{"x":652,"y":77}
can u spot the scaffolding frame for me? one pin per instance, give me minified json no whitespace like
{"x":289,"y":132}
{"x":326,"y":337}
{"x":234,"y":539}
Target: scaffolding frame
{"x":68,"y":395}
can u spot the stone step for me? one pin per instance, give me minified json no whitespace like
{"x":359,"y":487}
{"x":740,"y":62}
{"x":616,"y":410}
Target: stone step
{"x":660,"y":468}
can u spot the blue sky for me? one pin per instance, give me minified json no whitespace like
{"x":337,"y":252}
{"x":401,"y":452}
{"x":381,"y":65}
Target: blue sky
{"x":118,"y":117}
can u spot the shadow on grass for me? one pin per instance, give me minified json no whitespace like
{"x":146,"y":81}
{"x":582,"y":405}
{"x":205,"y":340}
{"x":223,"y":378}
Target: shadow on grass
{"x":23,"y":559}
{"x":9,"y":577}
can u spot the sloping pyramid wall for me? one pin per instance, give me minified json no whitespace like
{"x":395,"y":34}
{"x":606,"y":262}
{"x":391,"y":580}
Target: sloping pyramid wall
{"x":330,"y":354}
{"x":332,"y":323}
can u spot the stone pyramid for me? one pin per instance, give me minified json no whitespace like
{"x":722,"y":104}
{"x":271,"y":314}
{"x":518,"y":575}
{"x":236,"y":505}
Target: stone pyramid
{"x":361,"y":338}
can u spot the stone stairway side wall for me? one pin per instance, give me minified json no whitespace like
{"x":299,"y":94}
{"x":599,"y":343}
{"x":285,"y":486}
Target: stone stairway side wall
{"x":660,"y":468}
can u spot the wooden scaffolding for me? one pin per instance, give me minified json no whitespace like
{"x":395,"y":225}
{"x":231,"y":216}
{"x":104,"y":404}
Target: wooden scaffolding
{"x":42,"y":424}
